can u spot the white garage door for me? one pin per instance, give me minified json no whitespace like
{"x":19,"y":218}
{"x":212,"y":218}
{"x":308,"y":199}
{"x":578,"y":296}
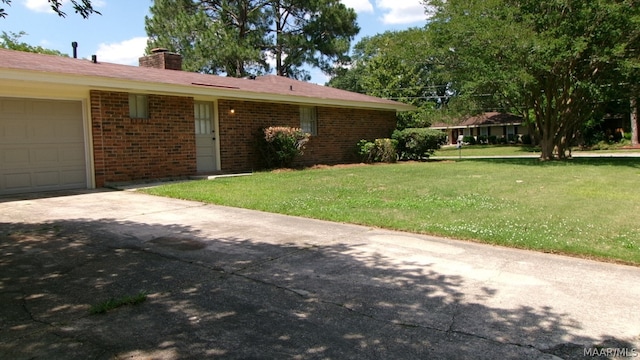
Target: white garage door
{"x":41,"y":145}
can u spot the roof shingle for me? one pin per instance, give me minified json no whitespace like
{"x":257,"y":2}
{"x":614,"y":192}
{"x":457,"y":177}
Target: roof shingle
{"x":269,"y":85}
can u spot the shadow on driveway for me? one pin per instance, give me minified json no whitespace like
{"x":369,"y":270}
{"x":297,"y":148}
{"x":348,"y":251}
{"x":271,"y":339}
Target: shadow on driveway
{"x":238,"y":298}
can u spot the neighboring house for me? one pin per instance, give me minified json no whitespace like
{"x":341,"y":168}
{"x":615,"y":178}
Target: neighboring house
{"x":71,"y":123}
{"x":484,"y":126}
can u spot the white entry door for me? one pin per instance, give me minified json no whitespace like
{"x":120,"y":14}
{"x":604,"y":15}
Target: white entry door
{"x":205,"y":137}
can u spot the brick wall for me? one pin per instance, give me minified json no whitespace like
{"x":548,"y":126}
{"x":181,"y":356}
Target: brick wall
{"x":162,"y":60}
{"x":127,"y":149}
{"x":339,"y":130}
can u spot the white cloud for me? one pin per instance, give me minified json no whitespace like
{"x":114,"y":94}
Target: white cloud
{"x":359,"y":5}
{"x":401,"y":11}
{"x":126,"y":52}
{"x":38,"y":5}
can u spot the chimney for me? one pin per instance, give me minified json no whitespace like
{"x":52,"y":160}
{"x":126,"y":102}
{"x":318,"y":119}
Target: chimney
{"x":161,"y":59}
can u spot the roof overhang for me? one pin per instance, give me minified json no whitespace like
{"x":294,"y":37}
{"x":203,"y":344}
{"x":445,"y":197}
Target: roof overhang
{"x":116,"y":84}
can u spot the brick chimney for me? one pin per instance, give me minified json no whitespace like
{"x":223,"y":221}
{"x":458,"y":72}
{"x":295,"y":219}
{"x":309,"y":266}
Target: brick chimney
{"x":161,"y":59}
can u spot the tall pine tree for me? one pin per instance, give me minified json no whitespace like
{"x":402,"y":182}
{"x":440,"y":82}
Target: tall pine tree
{"x":240,"y":37}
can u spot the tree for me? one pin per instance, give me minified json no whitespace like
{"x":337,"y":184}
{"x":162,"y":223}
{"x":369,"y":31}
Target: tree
{"x":313,"y":32}
{"x":12,"y":41}
{"x":239,"y":37}
{"x":398,"y":65}
{"x":82,"y":7}
{"x":555,"y":62}
{"x":212,"y":38}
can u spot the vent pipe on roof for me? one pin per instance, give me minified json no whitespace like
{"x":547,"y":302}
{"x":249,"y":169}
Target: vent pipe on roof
{"x":74,"y":45}
{"x":94,"y":59}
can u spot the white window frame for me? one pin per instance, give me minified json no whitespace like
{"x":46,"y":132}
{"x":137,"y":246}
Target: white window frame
{"x":203,"y":118}
{"x":138,"y":106}
{"x":309,"y":119}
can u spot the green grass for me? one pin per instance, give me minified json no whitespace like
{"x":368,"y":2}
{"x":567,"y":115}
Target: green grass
{"x":111,"y":304}
{"x":487,"y":150}
{"x":513,"y":150}
{"x":584,"y":207}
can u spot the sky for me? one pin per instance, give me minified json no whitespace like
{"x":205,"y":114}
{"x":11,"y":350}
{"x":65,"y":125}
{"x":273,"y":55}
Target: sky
{"x":118,"y":35}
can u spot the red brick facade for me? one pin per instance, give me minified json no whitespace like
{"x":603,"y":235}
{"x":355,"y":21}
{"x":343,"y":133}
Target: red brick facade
{"x":163,"y":146}
{"x":127,"y":149}
{"x":339,"y":130}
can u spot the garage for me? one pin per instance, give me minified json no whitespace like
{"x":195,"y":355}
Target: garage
{"x":42,"y":145}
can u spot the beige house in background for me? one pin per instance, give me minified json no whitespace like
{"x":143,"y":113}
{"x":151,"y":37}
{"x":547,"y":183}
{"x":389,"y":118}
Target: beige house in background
{"x":485,"y":126}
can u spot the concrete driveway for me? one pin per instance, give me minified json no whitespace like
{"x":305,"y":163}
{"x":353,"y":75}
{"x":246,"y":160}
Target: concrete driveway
{"x":237,"y":284}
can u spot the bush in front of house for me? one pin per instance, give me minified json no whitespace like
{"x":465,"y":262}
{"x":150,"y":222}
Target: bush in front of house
{"x":380,"y":150}
{"x":493,"y":139}
{"x":418,"y":143}
{"x":281,"y":145}
{"x":468,"y":139}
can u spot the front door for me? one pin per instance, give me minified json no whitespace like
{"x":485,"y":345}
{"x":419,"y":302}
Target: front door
{"x":205,"y":137}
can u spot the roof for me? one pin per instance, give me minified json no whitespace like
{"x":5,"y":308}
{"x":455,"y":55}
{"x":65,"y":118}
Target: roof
{"x":24,"y":66}
{"x":485,"y":119}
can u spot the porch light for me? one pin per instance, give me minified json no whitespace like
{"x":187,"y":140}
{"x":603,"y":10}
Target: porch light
{"x":233,"y":111}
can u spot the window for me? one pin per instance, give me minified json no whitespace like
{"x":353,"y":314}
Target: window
{"x":309,"y":120}
{"x":484,"y":131}
{"x":138,"y":106}
{"x":202,"y":115}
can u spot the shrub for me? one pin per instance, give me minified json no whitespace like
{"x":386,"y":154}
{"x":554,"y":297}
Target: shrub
{"x":483,"y":139}
{"x":468,"y":139}
{"x":493,"y":139}
{"x":418,"y":143}
{"x":526,"y":139}
{"x":281,"y":145}
{"x":380,"y":150}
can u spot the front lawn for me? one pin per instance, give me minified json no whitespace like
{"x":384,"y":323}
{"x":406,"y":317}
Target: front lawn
{"x":488,"y":150}
{"x":584,"y":207}
{"x":518,"y":150}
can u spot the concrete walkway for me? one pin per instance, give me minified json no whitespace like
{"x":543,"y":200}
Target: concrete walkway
{"x":237,"y":284}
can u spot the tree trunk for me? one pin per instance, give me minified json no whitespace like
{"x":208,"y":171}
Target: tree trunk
{"x":634,"y":121}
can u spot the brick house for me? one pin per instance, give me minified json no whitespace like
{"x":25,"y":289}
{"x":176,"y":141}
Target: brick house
{"x":71,"y":123}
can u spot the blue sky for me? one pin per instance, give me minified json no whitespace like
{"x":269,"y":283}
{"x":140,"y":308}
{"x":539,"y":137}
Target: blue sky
{"x":118,"y":34}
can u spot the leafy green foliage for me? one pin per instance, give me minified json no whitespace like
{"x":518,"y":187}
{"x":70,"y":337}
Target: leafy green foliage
{"x":467,"y":139}
{"x":12,"y":41}
{"x":555,"y":62}
{"x":238,"y":37}
{"x":380,"y":150}
{"x":418,"y":143}
{"x":397,"y":65}
{"x":82,"y":7}
{"x":281,"y":145}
